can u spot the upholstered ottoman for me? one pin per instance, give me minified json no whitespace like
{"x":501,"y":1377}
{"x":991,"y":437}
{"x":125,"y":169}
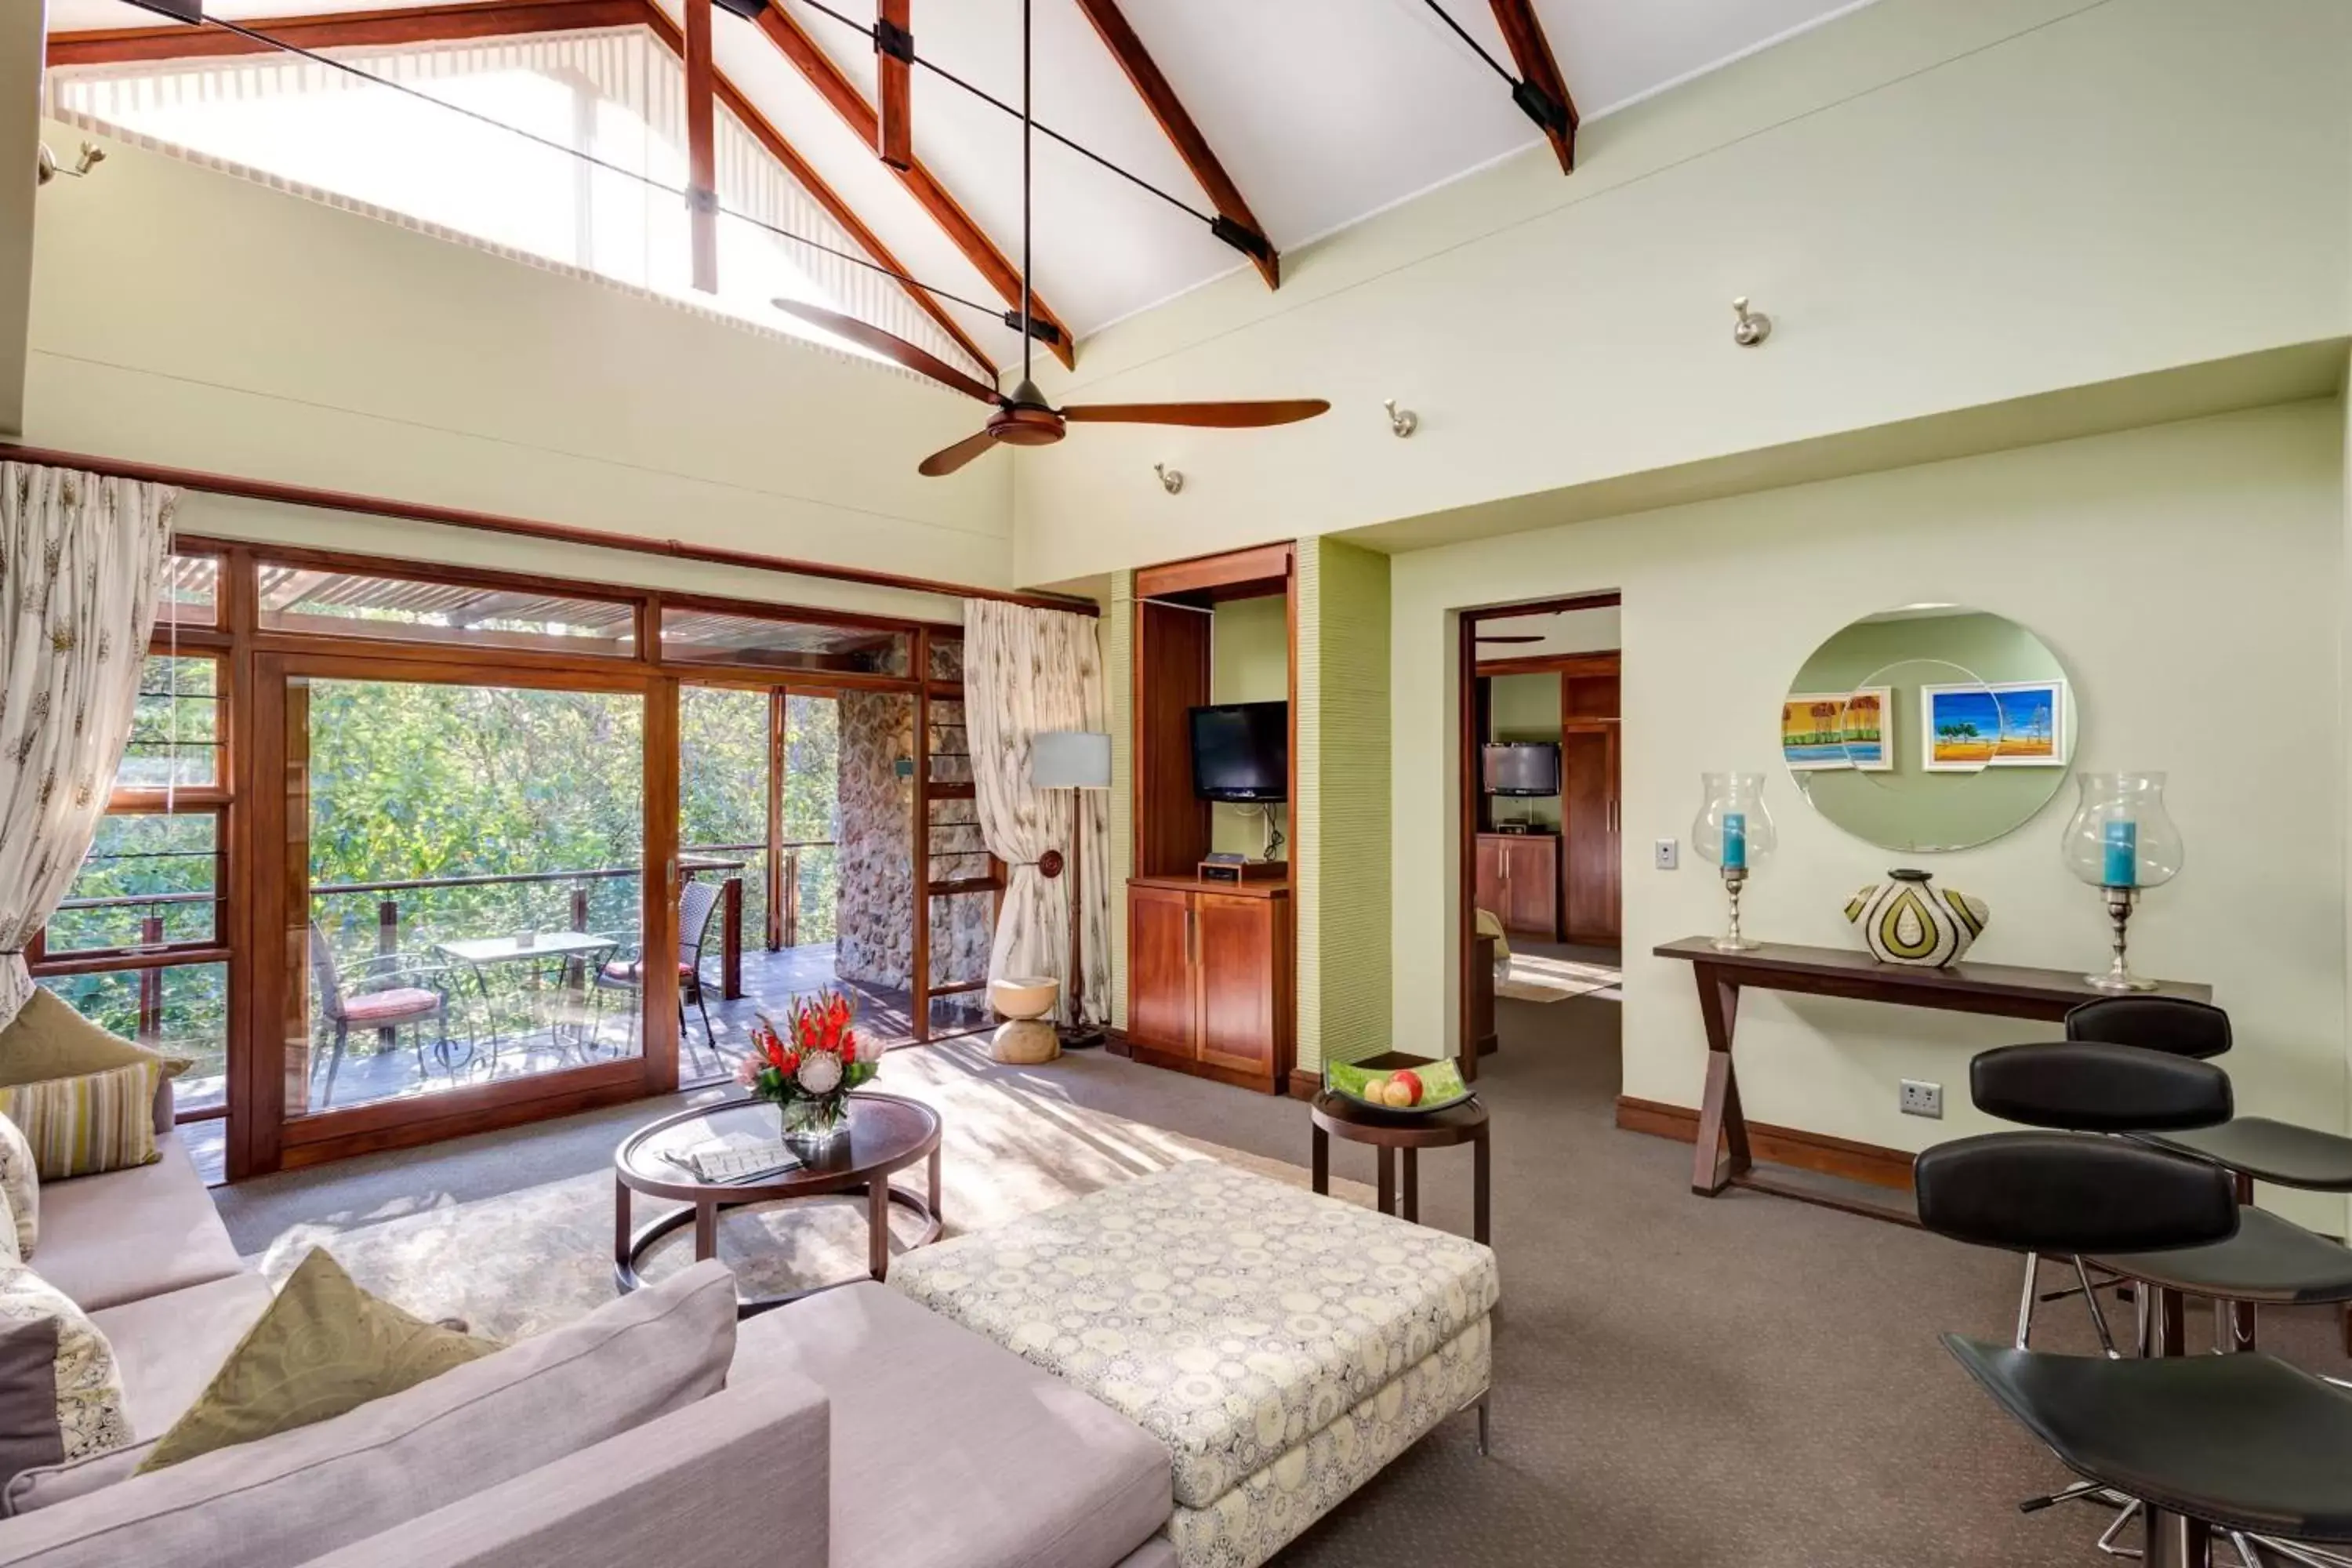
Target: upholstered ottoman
{"x":1284,"y":1346}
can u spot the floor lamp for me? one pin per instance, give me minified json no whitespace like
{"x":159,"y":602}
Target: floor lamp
{"x":1072,"y":760}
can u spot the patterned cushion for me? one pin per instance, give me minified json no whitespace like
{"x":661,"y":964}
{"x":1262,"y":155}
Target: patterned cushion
{"x":88,"y":1387}
{"x":1265,"y":1511}
{"x":20,"y":1184}
{"x":398,"y":1004}
{"x":96,"y":1121}
{"x":1229,"y":1315}
{"x":325,"y":1346}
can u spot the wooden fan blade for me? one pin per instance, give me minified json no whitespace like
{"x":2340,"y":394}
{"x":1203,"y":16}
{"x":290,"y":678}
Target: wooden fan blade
{"x":1221,"y":416}
{"x":1513,"y":636}
{"x":948,"y":459}
{"x":897,"y":349}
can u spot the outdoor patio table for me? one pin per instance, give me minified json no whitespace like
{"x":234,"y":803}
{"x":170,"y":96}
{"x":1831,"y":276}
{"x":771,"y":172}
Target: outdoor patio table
{"x":480,"y":954}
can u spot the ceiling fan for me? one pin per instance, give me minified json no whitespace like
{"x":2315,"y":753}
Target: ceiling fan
{"x":1025,"y":419}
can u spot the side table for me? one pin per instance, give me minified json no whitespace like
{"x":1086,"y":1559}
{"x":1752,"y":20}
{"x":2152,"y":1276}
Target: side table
{"x":1337,"y":1116}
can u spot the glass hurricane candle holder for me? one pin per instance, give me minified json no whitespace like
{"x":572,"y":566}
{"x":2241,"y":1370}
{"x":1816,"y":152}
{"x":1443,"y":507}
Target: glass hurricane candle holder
{"x":2121,"y":840}
{"x":1734,"y":831}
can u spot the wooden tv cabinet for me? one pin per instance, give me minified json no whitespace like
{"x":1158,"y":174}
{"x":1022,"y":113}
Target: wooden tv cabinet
{"x":1209,"y":988}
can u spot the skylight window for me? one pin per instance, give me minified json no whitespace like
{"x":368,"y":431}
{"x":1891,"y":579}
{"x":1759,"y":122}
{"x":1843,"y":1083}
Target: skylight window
{"x":617,"y":96}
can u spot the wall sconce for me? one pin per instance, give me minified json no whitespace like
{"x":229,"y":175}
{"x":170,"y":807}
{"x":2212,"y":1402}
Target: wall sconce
{"x":1753,"y":326}
{"x":1403,"y":422}
{"x":1170,"y":480}
{"x":46,"y":167}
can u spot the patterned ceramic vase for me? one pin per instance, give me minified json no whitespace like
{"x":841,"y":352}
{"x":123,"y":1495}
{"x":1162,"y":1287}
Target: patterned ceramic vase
{"x":1905,"y":921}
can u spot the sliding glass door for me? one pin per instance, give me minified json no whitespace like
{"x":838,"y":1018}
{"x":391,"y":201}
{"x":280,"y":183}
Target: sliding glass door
{"x":462,"y":916}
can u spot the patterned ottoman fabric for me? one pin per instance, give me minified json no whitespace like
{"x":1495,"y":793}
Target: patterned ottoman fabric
{"x":1260,"y":1515}
{"x":1228,"y":1315}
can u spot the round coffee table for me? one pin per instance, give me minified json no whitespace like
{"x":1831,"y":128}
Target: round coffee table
{"x":1336,"y":1116}
{"x":886,"y":1132}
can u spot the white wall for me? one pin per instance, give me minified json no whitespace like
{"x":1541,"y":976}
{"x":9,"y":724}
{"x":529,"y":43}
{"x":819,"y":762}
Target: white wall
{"x":1944,"y":204}
{"x":2186,"y":570}
{"x":188,"y":316}
{"x":20,"y":129}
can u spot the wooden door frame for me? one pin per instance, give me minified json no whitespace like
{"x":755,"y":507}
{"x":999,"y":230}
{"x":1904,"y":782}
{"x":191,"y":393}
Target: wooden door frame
{"x":261,"y":1139}
{"x":1467,"y":674}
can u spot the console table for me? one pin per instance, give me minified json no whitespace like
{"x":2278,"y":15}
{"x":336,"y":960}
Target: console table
{"x":1998,"y":990}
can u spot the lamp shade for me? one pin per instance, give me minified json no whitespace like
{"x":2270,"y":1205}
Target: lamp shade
{"x":1069,"y":759}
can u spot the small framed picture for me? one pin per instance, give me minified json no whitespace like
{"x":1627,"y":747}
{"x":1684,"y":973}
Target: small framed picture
{"x":2004,"y":724}
{"x":1824,"y":729}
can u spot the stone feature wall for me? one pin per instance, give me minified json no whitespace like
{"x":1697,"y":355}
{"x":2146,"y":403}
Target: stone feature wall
{"x":876,"y":900}
{"x":875,"y":903}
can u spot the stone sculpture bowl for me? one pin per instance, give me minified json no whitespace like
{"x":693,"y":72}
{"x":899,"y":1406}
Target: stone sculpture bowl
{"x":1022,"y":996}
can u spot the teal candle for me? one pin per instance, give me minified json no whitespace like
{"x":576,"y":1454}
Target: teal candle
{"x":2122,"y":865}
{"x":1734,"y":841}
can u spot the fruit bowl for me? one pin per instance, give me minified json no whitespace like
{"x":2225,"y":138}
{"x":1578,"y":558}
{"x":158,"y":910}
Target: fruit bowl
{"x":1440,"y":1083}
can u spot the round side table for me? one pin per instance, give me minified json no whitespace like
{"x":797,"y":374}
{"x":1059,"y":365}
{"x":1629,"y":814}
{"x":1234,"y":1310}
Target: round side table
{"x":1336,"y":1116}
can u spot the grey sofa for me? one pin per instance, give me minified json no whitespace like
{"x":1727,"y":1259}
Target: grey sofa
{"x":855,"y":1430}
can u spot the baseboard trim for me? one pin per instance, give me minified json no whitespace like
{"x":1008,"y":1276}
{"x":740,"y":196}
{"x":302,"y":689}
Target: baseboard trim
{"x":1819,"y":1152}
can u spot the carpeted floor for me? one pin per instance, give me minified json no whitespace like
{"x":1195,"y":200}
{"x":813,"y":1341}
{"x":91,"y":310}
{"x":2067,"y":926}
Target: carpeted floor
{"x":1744,"y":1381}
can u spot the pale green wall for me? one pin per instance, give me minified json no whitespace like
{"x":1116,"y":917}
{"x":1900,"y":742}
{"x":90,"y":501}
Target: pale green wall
{"x":2107,"y":547}
{"x":1340,"y":872}
{"x":1249,"y":661}
{"x":1525,"y":707}
{"x":1908,"y":809}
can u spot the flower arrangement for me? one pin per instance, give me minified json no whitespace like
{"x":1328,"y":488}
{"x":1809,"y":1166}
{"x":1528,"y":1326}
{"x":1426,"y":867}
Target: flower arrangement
{"x":807,"y":1069}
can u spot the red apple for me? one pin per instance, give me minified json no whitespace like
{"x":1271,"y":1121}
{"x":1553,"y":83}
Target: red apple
{"x":1410,"y":1081}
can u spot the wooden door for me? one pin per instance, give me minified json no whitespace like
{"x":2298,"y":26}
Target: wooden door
{"x":1589,"y":829}
{"x":1531,"y":884}
{"x":1237,"y":980}
{"x":1490,"y":875}
{"x":1159,"y":983}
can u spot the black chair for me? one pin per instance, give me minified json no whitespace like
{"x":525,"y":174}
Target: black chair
{"x":2243,"y":1445}
{"x":2093,"y":1087}
{"x":698,"y":903}
{"x":2173,"y":1025}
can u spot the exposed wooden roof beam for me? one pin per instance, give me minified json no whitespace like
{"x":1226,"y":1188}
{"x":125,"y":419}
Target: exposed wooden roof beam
{"x":348,"y":29}
{"x":1537,"y":69}
{"x":497,"y":18}
{"x":841,"y":96}
{"x":785,"y":152}
{"x":701,"y":146}
{"x":1111,"y":27}
{"x":893,"y":68}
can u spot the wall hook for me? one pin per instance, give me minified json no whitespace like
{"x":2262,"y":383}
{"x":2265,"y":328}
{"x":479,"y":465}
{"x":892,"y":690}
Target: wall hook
{"x":46,"y":167}
{"x":1753,"y":326}
{"x":1170,"y":480}
{"x":1403,"y":421}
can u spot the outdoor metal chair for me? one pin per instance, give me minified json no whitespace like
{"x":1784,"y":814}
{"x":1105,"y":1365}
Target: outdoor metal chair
{"x":382,"y":994}
{"x":697,"y":904}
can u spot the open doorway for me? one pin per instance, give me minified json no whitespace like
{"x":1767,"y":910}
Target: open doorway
{"x":1541,"y":817}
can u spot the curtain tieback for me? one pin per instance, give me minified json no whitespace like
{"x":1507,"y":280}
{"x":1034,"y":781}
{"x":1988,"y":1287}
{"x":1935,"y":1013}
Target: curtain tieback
{"x":1048,"y":864}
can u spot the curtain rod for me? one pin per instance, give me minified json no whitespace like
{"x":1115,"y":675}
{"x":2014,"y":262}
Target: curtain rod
{"x":520,"y":527}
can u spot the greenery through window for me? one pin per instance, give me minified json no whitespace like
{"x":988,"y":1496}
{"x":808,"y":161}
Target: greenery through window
{"x":176,"y":730}
{"x":181,"y":1009}
{"x":150,"y":880}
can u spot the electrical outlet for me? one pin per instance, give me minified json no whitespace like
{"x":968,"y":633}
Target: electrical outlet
{"x":1923,"y":1098}
{"x":1668,"y":853}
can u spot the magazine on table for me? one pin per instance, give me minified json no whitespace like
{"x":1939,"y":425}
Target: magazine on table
{"x":736,"y":1161}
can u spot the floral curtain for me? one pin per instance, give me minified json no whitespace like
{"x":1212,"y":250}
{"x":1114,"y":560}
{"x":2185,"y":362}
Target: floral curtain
{"x":1027,"y":671}
{"x":81,"y":557}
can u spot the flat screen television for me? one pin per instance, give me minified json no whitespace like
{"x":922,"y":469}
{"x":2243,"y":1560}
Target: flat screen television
{"x":1520,"y":768}
{"x":1241,"y":751}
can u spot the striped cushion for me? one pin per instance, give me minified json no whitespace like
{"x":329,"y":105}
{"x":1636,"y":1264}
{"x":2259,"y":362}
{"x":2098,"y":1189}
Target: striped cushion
{"x":83,"y":1125}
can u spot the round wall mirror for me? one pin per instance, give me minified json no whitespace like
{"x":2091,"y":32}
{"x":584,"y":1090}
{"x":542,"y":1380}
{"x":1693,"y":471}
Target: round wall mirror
{"x":1929,"y":727}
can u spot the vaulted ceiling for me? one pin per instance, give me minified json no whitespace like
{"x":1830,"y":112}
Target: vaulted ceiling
{"x":1319,"y":112}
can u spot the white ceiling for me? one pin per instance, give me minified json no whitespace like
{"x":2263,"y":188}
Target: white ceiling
{"x":1323,"y":111}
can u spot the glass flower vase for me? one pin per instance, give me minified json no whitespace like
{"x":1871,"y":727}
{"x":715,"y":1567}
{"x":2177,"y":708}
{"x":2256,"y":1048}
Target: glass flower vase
{"x":813,"y":1121}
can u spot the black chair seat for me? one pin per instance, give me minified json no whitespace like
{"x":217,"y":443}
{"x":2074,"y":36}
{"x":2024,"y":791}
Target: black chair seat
{"x":2269,"y":1150}
{"x":2243,"y":1441}
{"x":2270,"y":1260}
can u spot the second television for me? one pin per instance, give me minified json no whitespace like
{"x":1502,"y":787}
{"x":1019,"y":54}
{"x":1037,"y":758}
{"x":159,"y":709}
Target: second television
{"x":1241,"y":751}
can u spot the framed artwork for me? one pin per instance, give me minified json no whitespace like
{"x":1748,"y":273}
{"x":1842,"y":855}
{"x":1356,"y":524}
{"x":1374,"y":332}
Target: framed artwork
{"x":1824,"y":729}
{"x":2004,"y":724}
